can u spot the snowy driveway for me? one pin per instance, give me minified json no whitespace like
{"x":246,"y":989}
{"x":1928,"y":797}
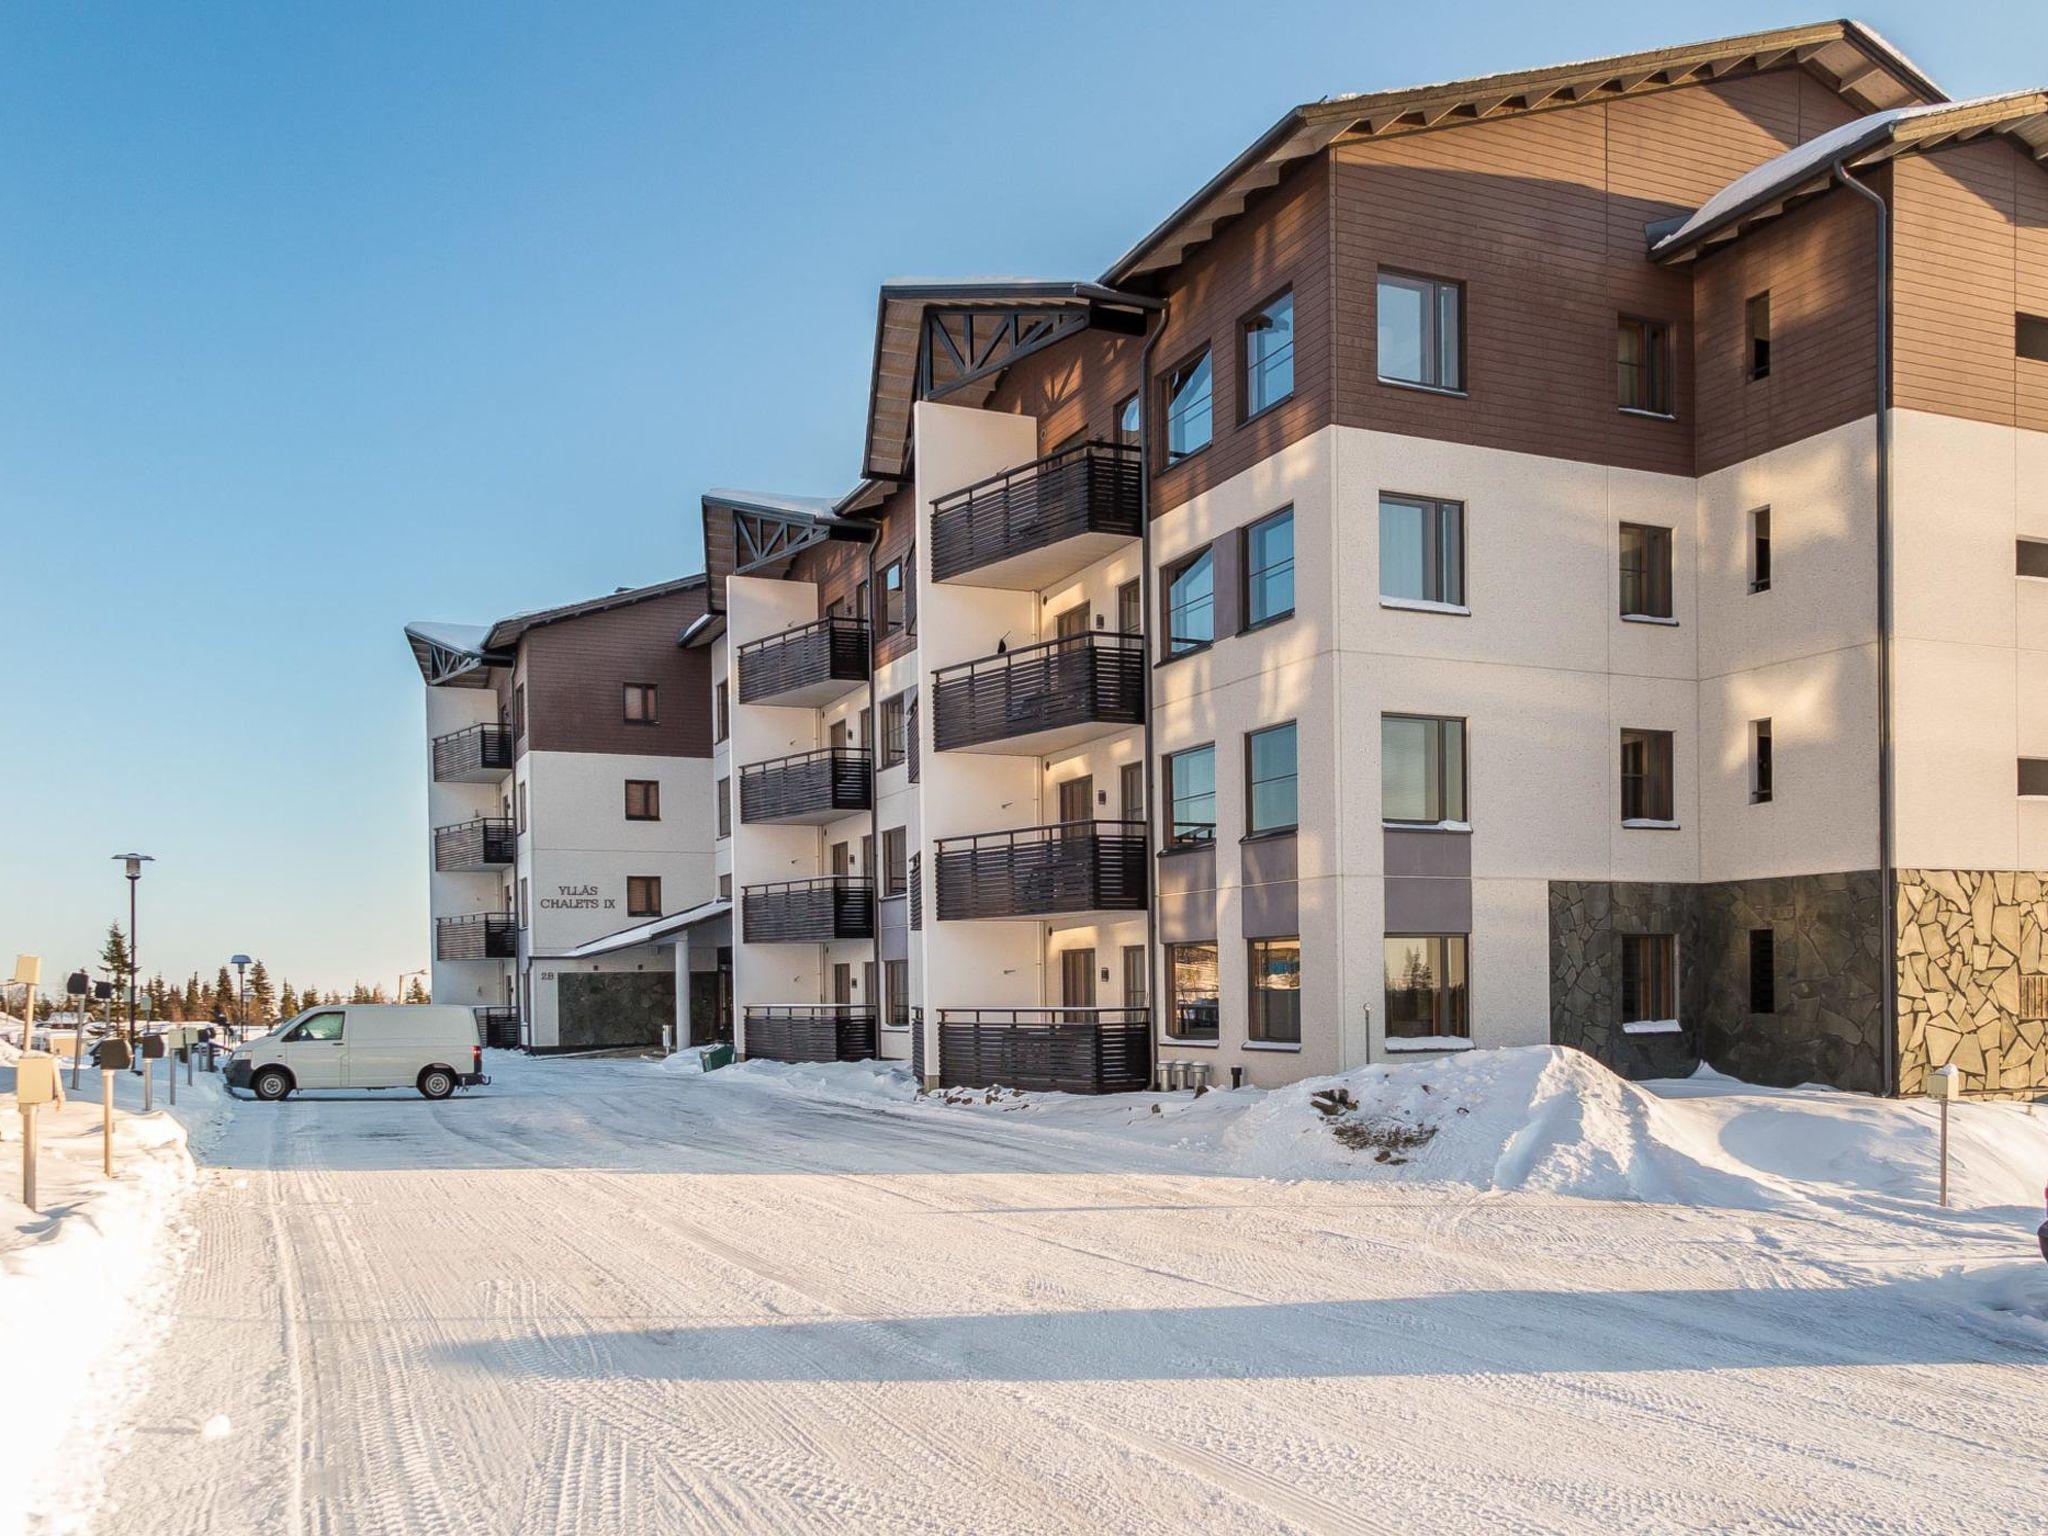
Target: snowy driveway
{"x":598,"y":1297}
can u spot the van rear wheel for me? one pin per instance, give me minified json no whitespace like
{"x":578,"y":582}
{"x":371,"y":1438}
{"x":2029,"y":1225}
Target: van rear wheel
{"x":271,"y":1083}
{"x":437,"y":1083}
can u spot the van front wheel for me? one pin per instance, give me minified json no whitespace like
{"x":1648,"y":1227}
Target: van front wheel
{"x":437,"y":1083}
{"x":272,"y":1083}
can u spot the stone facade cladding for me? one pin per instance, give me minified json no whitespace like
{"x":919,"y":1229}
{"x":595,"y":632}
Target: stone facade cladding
{"x":1587,"y":921}
{"x":1973,"y":985}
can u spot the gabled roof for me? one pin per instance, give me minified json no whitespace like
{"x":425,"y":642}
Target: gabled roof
{"x":458,"y":653}
{"x":1807,"y":170}
{"x":655,"y":931}
{"x":750,"y":533}
{"x":1850,"y":57}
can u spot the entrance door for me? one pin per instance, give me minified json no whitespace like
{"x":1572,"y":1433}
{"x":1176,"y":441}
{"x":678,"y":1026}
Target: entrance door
{"x":1074,"y":621}
{"x":842,"y":859}
{"x":1077,"y":980}
{"x":1077,"y":799}
{"x":842,"y":983}
{"x":839,"y":733}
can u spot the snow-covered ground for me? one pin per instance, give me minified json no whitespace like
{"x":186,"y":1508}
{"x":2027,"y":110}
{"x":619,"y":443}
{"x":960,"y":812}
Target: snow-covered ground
{"x":1504,"y":1291}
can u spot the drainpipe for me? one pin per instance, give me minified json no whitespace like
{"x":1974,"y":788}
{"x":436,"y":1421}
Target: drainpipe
{"x":874,"y":795}
{"x":1147,"y":628}
{"x":1888,"y":981}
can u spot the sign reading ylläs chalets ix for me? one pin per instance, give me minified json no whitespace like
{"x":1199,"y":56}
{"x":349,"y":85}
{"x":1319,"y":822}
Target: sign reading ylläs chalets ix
{"x":578,"y":898}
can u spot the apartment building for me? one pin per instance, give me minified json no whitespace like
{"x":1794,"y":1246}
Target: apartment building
{"x":569,"y":801}
{"x":1554,"y":556}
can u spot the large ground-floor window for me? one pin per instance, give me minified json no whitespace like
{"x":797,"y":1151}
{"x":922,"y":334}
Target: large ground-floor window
{"x":1649,"y":970}
{"x":1426,"y":986}
{"x":1275,"y":1015}
{"x":1191,"y":978}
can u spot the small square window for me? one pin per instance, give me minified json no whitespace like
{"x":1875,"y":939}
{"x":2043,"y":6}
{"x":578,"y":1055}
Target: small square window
{"x":2030,"y":337}
{"x":1421,"y":331}
{"x":643,"y":895}
{"x":1646,"y":794}
{"x":642,"y":706}
{"x":2032,"y":558}
{"x":1645,"y":572}
{"x":1422,"y":550}
{"x":2034,"y":776}
{"x":643,"y":800}
{"x":1649,"y":967}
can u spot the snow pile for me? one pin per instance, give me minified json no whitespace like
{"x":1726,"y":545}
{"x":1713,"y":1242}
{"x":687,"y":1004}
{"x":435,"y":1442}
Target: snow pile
{"x":852,"y":1082}
{"x":689,"y":1059}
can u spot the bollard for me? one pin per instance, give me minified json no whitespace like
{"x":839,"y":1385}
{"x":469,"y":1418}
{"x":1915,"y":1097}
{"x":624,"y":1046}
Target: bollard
{"x":1944,"y":1084}
{"x":148,"y":1084}
{"x":107,"y":1123}
{"x":28,"y":1156}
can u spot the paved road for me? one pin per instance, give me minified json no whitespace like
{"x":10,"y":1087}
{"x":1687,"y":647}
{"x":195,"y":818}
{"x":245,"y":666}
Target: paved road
{"x":600,"y":1298}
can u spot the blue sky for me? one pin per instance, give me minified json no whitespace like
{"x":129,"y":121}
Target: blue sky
{"x":314,"y":320}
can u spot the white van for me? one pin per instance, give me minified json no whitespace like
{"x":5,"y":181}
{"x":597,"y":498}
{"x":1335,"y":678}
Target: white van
{"x":426,"y":1046}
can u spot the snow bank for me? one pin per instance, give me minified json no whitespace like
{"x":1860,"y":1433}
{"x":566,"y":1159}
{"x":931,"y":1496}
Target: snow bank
{"x":855,"y":1082}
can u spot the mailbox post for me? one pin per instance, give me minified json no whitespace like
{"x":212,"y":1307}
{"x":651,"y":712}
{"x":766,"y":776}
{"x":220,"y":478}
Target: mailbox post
{"x":1944,"y":1086}
{"x":113,"y":1059}
{"x":75,"y":987}
{"x":35,"y":1084}
{"x":152,"y":1053}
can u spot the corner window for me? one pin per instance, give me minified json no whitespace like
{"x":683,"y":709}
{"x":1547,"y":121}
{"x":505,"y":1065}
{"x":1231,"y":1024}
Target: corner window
{"x":1422,"y":550}
{"x":2030,"y":337}
{"x":1426,"y":986}
{"x":1191,"y":796}
{"x":1269,"y":356}
{"x":724,"y":798}
{"x":1192,"y":1012}
{"x":1269,"y":569}
{"x":1191,"y":604}
{"x":2034,"y":777}
{"x":894,"y":743}
{"x":1421,"y":331}
{"x":1272,"y":803}
{"x":1649,"y":968}
{"x":1759,"y":761}
{"x":1130,"y":423}
{"x":643,"y":800}
{"x":1642,"y":355}
{"x":643,"y":895}
{"x":892,"y":597}
{"x":1763,"y":970}
{"x":1646,"y":777}
{"x":519,"y":709}
{"x":1422,"y":770}
{"x":721,"y":713}
{"x":1760,"y":550}
{"x":1130,"y":608}
{"x":725,"y":886}
{"x":1189,"y":402}
{"x":1757,"y":317}
{"x":1645,"y":572}
{"x":895,"y":861}
{"x":642,"y":706}
{"x":1275,"y":1013}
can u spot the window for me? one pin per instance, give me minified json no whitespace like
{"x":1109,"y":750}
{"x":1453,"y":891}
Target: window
{"x":320,"y":1026}
{"x":1269,"y":569}
{"x":721,"y":713}
{"x":1422,"y":550}
{"x":725,"y":807}
{"x":2032,"y":559}
{"x":1191,"y":978}
{"x":1645,"y":572}
{"x":643,"y":800}
{"x":519,"y":710}
{"x":2034,"y":775}
{"x":1074,"y":622}
{"x":1648,"y":972}
{"x":1759,"y":761}
{"x":860,"y":601}
{"x":894,"y":743}
{"x":1760,"y":550}
{"x":1131,"y":791}
{"x":725,"y":886}
{"x":1270,"y":782}
{"x":1130,"y":423}
{"x":1269,"y":356}
{"x":1191,"y":604}
{"x":643,"y":895}
{"x":524,"y":906}
{"x":1136,"y":983}
{"x":641,"y":706}
{"x":1130,"y":608}
{"x":1426,"y":986}
{"x":1642,"y":358}
{"x":895,"y":861}
{"x":1188,"y":409}
{"x":1646,"y":777}
{"x":892,"y":597}
{"x":1421,"y":331}
{"x":1763,"y":977}
{"x":1191,"y":795}
{"x":896,"y":976}
{"x":2030,"y":337}
{"x":1422,"y":770}
{"x":1275,"y":1014}
{"x":1758,"y":315}
{"x":519,"y":807}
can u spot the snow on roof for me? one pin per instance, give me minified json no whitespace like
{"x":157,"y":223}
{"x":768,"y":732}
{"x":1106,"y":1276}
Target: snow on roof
{"x":773,"y":501}
{"x":651,"y":932}
{"x":452,"y":637}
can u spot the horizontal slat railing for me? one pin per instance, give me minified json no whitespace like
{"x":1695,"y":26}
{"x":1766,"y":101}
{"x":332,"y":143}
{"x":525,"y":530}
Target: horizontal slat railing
{"x":478,"y":936}
{"x":809,"y":911}
{"x":1096,"y":678}
{"x":485,"y":843}
{"x":474,"y":749}
{"x":832,"y":649}
{"x":1089,"y":488}
{"x":1075,"y":866}
{"x":809,"y":1031}
{"x":807,"y":784}
{"x":1059,"y":1050}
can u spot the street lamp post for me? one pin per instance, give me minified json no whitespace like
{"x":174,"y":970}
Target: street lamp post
{"x":134,"y":863}
{"x":241,"y":965}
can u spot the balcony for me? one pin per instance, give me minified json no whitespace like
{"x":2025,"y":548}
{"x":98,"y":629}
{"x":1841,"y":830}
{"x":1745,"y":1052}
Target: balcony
{"x":810,"y":1032}
{"x":480,"y":754}
{"x":808,"y":911}
{"x":807,"y":788}
{"x":805,"y":667}
{"x":1041,"y":698}
{"x":498,"y":1028}
{"x":480,"y":936}
{"x":485,"y":843}
{"x":1050,"y":1050}
{"x":1070,"y":868}
{"x":1032,"y":527}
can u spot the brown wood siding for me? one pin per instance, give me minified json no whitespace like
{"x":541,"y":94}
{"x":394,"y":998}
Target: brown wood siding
{"x":1542,"y":218}
{"x":899,"y":530}
{"x":1074,"y":387}
{"x":1820,"y":265}
{"x":576,"y":670}
{"x":1971,"y":251}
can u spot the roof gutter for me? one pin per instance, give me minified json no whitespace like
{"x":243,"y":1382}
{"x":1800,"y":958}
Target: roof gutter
{"x":1154,"y":971}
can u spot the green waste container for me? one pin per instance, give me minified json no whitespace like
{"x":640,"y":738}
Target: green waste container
{"x":718,"y":1056}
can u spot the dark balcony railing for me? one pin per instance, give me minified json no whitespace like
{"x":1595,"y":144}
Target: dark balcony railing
{"x":498,"y":1028}
{"x":807,"y":786}
{"x":910,"y":740}
{"x":809,"y":911}
{"x":813,"y":664}
{"x":810,"y":1032}
{"x":917,"y":1044}
{"x":1059,"y":1050}
{"x":1053,"y":694}
{"x":917,"y":893}
{"x":1091,"y":488}
{"x":485,"y":843}
{"x":475,"y":755}
{"x":480,"y":936}
{"x":1075,"y":866}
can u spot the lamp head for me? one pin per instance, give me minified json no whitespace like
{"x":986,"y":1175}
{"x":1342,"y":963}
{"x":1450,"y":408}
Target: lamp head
{"x":134,"y":861}
{"x":239,"y":960}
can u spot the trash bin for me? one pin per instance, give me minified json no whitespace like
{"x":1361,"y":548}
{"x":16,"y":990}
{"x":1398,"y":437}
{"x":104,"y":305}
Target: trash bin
{"x":717,"y":1056}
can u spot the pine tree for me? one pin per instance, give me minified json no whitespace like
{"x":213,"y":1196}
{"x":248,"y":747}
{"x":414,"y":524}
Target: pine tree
{"x":114,"y":960}
{"x":262,"y":996}
{"x":195,"y":1002}
{"x":287,"y":1002}
{"x":417,"y":993}
{"x":227,"y":997}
